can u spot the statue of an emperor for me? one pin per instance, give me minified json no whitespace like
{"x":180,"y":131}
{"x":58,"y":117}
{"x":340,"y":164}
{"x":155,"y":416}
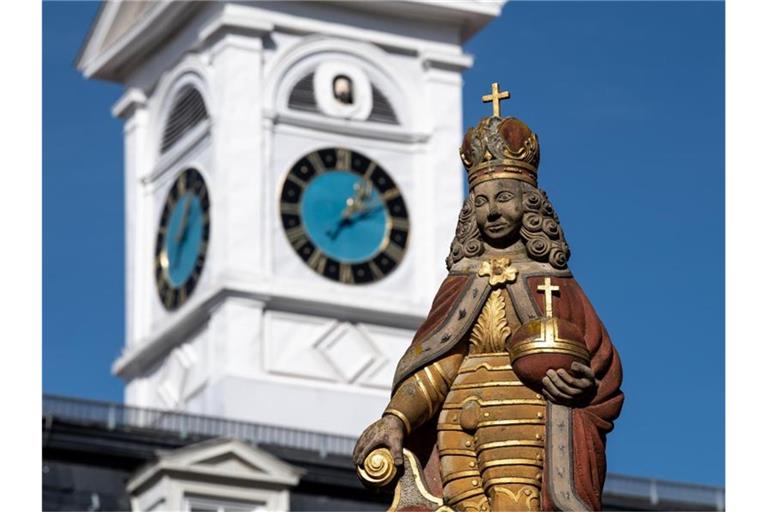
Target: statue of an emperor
{"x":505,"y":396}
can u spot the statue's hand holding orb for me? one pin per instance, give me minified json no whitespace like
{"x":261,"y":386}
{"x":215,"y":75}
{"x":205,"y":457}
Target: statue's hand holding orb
{"x":575,"y":388}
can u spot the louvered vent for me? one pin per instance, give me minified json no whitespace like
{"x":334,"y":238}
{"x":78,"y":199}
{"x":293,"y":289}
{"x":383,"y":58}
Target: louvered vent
{"x":303,"y":95}
{"x":382,"y":111}
{"x":188,"y":111}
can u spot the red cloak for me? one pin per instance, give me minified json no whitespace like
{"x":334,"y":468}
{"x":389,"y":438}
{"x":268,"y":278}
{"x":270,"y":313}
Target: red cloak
{"x":590,"y":424}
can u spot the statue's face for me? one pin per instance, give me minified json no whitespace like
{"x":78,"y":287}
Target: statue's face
{"x":499,"y":210}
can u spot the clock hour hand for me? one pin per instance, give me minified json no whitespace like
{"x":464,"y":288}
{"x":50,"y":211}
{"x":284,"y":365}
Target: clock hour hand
{"x":354,"y":204}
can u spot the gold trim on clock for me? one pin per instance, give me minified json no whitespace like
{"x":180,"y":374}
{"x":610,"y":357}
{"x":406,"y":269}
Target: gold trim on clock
{"x":172,"y":295}
{"x":393,"y":246}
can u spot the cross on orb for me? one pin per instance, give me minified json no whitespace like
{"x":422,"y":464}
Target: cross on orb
{"x":548,"y":288}
{"x":496,"y":97}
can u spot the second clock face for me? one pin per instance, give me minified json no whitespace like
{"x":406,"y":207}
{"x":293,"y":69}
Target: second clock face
{"x":182,"y":239}
{"x":344,"y":216}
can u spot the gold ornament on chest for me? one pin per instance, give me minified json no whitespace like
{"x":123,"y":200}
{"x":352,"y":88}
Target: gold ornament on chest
{"x":499,"y":271}
{"x":491,"y":328}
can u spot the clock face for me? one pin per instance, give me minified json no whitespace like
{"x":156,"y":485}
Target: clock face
{"x":344,"y":216}
{"x":182,"y":239}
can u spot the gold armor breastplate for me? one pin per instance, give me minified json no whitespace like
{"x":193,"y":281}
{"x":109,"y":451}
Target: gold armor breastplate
{"x":491,"y":427}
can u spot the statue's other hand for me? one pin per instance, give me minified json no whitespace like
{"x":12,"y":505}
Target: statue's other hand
{"x":575,"y":388}
{"x":387,"y":432}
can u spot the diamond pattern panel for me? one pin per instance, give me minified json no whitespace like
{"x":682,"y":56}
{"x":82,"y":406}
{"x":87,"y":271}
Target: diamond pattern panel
{"x":348,"y":351}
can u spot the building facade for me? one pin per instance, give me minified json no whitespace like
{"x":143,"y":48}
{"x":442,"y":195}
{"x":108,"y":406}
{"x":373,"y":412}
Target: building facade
{"x":246,"y":124}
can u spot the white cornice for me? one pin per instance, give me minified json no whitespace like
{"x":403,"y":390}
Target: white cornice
{"x":132,"y":99}
{"x":113,"y":62}
{"x":235,"y":19}
{"x":470,"y":15}
{"x":450,"y":61}
{"x":198,"y":309}
{"x":363,"y":129}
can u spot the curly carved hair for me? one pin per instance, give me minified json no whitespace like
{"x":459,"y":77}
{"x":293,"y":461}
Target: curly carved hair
{"x":541,"y":231}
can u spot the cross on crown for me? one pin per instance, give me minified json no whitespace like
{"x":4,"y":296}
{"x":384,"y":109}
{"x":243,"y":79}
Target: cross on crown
{"x":496,"y":98}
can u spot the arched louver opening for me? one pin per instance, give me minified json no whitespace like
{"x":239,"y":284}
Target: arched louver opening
{"x":302,"y":96}
{"x":382,"y":111}
{"x":188,"y":111}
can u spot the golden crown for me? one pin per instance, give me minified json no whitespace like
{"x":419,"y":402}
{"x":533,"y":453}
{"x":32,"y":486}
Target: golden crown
{"x":500,"y":147}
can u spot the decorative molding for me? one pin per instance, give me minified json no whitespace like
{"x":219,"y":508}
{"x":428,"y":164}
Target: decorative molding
{"x":237,"y":19}
{"x":447,"y":61}
{"x":291,"y":345}
{"x":348,"y":352}
{"x":218,"y":469}
{"x":324,"y":349}
{"x":128,"y":103}
{"x":178,"y":151}
{"x":174,"y":386}
{"x":362,"y":129}
{"x":197,"y":311}
{"x":362,"y":95}
{"x":295,"y":61}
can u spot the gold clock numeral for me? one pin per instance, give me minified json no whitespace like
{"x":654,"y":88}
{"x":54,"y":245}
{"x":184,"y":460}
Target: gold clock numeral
{"x":168,"y":298}
{"x":292,"y":177}
{"x":343,"y":159}
{"x":390,"y":194}
{"x":181,"y":185}
{"x":182,"y":295}
{"x":375,"y":270}
{"x":162,"y":258}
{"x":345,"y":273}
{"x":369,"y":170}
{"x":296,"y":236}
{"x":317,"y":162}
{"x":290,"y":208}
{"x":400,"y":223}
{"x":394,"y":251}
{"x":317,"y":261}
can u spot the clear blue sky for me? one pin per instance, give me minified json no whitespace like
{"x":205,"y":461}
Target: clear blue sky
{"x":628,"y":102}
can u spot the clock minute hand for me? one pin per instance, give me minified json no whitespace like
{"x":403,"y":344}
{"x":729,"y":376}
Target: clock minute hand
{"x":353,"y":205}
{"x":341,"y":224}
{"x":179,"y":235}
{"x":361,"y":213}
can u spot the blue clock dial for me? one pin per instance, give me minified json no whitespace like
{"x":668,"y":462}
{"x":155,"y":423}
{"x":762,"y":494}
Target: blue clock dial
{"x":185,"y":234}
{"x":182,"y":239}
{"x":344,"y":216}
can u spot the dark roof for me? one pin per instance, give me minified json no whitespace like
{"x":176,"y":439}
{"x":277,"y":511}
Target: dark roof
{"x":91,"y":449}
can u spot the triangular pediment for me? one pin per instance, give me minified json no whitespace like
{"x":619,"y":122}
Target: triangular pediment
{"x":127,"y":15}
{"x":230,"y":462}
{"x":124,"y":29}
{"x":221,"y":458}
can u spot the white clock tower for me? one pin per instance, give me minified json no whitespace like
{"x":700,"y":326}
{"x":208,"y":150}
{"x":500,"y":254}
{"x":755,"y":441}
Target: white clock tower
{"x":228,"y":311}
